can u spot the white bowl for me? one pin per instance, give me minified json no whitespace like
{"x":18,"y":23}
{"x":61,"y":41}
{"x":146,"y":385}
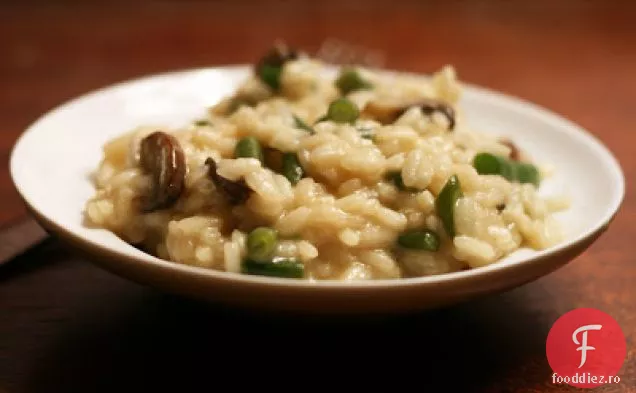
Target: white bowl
{"x":52,"y":160}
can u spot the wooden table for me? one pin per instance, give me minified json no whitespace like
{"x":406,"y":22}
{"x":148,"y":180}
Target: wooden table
{"x":66,"y":326}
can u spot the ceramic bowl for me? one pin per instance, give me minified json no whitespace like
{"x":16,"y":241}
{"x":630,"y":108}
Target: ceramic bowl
{"x":52,"y":161}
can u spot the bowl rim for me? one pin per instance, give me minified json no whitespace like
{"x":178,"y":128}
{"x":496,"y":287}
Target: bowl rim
{"x":509,"y":102}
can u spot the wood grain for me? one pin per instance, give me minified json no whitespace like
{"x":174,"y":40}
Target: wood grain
{"x":17,"y":237}
{"x":66,"y":326}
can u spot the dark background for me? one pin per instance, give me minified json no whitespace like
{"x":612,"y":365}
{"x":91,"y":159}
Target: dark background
{"x":66,"y":326}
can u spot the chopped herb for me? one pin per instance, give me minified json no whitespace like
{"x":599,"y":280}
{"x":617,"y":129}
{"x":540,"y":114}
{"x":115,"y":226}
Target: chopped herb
{"x":366,"y":132}
{"x":299,"y":123}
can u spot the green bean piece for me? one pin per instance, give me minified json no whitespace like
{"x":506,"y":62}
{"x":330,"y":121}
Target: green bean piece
{"x":490,"y":164}
{"x":270,"y":75}
{"x":420,"y":240}
{"x":343,"y":110}
{"x":527,"y":173}
{"x":487,"y":164}
{"x":522,"y":172}
{"x":261,"y":244}
{"x":298,"y":123}
{"x":292,"y":169}
{"x":278,"y":267}
{"x":270,"y":66}
{"x":350,"y":80}
{"x":445,"y":204}
{"x":249,"y":147}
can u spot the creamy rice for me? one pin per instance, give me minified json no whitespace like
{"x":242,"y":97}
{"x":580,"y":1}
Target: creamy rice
{"x":342,"y":220}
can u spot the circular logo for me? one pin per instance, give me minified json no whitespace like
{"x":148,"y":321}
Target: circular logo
{"x":586,"y":348}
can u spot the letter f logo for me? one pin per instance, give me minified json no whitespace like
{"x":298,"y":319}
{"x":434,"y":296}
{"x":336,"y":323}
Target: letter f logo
{"x":584,"y":347}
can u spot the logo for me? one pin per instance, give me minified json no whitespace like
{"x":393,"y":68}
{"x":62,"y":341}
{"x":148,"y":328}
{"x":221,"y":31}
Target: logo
{"x":586,"y":348}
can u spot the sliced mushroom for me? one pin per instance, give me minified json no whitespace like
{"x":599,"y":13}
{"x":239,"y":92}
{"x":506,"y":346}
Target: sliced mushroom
{"x":161,"y":156}
{"x":388,"y":114}
{"x":273,"y":159}
{"x":515,"y":153}
{"x":382,"y":113}
{"x":236,"y":192}
{"x":431,"y":106}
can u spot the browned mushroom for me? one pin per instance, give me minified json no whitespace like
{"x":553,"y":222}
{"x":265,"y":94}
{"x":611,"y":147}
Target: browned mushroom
{"x":388,"y":114}
{"x":161,"y":156}
{"x":273,"y":159}
{"x":515,"y":153}
{"x":236,"y":192}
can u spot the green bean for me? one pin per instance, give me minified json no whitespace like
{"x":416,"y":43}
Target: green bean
{"x":298,"y":123}
{"x":490,"y":164}
{"x":270,"y":66}
{"x":527,"y":173}
{"x":249,"y":147}
{"x":278,"y":267}
{"x":445,"y":204}
{"x":350,"y":80}
{"x":342,"y":111}
{"x":420,"y":240}
{"x":261,"y":244}
{"x":291,"y":168}
{"x":270,"y":75}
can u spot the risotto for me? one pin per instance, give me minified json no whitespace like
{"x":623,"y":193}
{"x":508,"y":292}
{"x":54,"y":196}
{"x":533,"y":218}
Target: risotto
{"x":300,"y":175}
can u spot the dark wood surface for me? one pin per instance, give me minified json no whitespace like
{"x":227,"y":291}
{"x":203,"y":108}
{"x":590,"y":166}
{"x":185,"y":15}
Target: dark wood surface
{"x":66,"y":326}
